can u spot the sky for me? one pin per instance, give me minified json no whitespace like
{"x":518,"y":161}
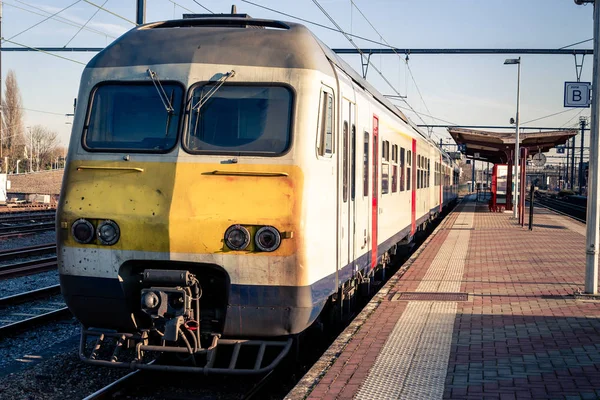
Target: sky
{"x":458,"y":89}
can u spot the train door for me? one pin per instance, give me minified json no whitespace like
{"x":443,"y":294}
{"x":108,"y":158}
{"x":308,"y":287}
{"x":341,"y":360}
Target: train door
{"x":413,"y":202}
{"x":352,"y":166}
{"x":375,"y":191}
{"x":345,"y":204}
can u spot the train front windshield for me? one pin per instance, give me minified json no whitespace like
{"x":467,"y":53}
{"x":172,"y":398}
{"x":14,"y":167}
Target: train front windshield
{"x":239,"y":120}
{"x":133,"y":117}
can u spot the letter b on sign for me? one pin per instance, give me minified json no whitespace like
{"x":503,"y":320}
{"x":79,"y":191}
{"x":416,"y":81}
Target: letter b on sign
{"x":577,"y":94}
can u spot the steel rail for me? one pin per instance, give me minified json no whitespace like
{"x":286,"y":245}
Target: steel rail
{"x":38,"y":319}
{"x":31,"y":295}
{"x":548,"y":205}
{"x":26,"y":232}
{"x":30,"y":251}
{"x":28,"y":268}
{"x":19,"y":228}
{"x":26,"y":218}
{"x":109,"y":390}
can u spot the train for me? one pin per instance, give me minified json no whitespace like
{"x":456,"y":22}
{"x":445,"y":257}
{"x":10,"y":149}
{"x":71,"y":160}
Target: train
{"x":229,"y":181}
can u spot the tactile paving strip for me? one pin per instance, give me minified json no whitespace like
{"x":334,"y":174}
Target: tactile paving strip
{"x":414,"y":296}
{"x":414,"y":359}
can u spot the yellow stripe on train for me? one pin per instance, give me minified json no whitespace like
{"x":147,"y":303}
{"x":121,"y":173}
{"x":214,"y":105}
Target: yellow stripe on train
{"x":182,"y":207}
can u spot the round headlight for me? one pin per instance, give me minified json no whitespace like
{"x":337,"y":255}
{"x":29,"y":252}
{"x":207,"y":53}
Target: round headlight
{"x":267,"y":238}
{"x":82,"y":231}
{"x":108,"y":232}
{"x":237,"y":237}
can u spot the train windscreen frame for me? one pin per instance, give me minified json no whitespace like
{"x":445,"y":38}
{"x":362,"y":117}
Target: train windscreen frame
{"x":133,"y":117}
{"x":239,"y":120}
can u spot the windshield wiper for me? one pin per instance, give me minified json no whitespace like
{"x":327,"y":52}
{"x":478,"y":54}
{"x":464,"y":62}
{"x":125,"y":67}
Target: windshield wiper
{"x":196,"y":107}
{"x":208,"y":95}
{"x":161,"y":92}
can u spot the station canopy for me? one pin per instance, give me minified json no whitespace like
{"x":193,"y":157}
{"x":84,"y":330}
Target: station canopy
{"x":497,"y":147}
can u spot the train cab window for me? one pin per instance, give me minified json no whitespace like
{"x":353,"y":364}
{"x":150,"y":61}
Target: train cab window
{"x":408,"y":169}
{"x":240,"y":120}
{"x":325,"y":136}
{"x":133,"y":117}
{"x":402,"y":154}
{"x":394,"y":168}
{"x":385,"y":167}
{"x":366,"y":165}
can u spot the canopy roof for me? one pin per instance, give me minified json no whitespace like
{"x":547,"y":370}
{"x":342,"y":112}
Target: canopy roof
{"x":496,"y":147}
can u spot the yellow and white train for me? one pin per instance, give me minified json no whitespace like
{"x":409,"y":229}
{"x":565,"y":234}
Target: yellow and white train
{"x":228,"y":177}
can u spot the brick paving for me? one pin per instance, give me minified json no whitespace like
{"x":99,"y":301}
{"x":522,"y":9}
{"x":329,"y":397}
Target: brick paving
{"x":521,"y":334}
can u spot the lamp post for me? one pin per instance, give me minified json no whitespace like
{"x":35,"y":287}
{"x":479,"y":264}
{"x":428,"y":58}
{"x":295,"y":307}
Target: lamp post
{"x":515,"y":199}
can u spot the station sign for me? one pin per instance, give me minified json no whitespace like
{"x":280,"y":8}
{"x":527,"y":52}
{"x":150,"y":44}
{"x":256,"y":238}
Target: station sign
{"x":560,"y":149}
{"x":462,"y":148}
{"x":577,"y":94}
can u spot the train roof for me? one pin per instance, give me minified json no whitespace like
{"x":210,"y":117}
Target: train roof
{"x":268,"y":43}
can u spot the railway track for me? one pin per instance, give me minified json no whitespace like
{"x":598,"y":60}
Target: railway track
{"x":28,"y":267}
{"x":20,"y":230}
{"x":574,"y":211}
{"x":15,"y":318}
{"x":253,"y":390}
{"x":30,"y":251}
{"x":27,"y":217}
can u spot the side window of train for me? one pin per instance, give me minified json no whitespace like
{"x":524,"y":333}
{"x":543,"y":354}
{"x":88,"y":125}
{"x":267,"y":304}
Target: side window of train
{"x":394,"y":168}
{"x":366,"y":165}
{"x":385,"y":167}
{"x":408,"y":169}
{"x":325,"y":136}
{"x":402,"y":154}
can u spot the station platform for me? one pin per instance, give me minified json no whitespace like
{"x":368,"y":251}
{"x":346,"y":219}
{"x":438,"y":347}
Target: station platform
{"x":484,"y":309}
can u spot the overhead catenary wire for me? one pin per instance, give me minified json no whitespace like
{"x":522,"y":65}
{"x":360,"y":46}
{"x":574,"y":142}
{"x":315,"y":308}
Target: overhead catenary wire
{"x":110,"y":12}
{"x":315,"y":23}
{"x":203,"y":6}
{"x":180,"y":6}
{"x":42,"y":21}
{"x":575,"y":44}
{"x":43,"y":51}
{"x":362,"y":54}
{"x":550,"y":115}
{"x":86,"y":22}
{"x":395,"y":52}
{"x":55,"y":17}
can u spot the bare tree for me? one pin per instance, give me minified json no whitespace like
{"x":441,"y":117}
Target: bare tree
{"x":40,"y":147}
{"x":11,"y":142}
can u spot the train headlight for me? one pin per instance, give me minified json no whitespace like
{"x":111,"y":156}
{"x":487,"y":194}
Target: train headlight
{"x":237,"y":237}
{"x":267,"y":238}
{"x":82,"y":231}
{"x":108,"y":232}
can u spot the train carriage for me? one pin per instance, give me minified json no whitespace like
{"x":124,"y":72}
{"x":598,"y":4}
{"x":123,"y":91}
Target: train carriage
{"x":227,"y":178}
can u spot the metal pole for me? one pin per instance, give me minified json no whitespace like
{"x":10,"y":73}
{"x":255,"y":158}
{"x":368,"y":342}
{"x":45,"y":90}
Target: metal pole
{"x":473,"y":177}
{"x":531,"y":206}
{"x":140,"y":15}
{"x":593,"y":220}
{"x":573,"y":163}
{"x":1,"y":108}
{"x":517,"y":142}
{"x":583,"y":123}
